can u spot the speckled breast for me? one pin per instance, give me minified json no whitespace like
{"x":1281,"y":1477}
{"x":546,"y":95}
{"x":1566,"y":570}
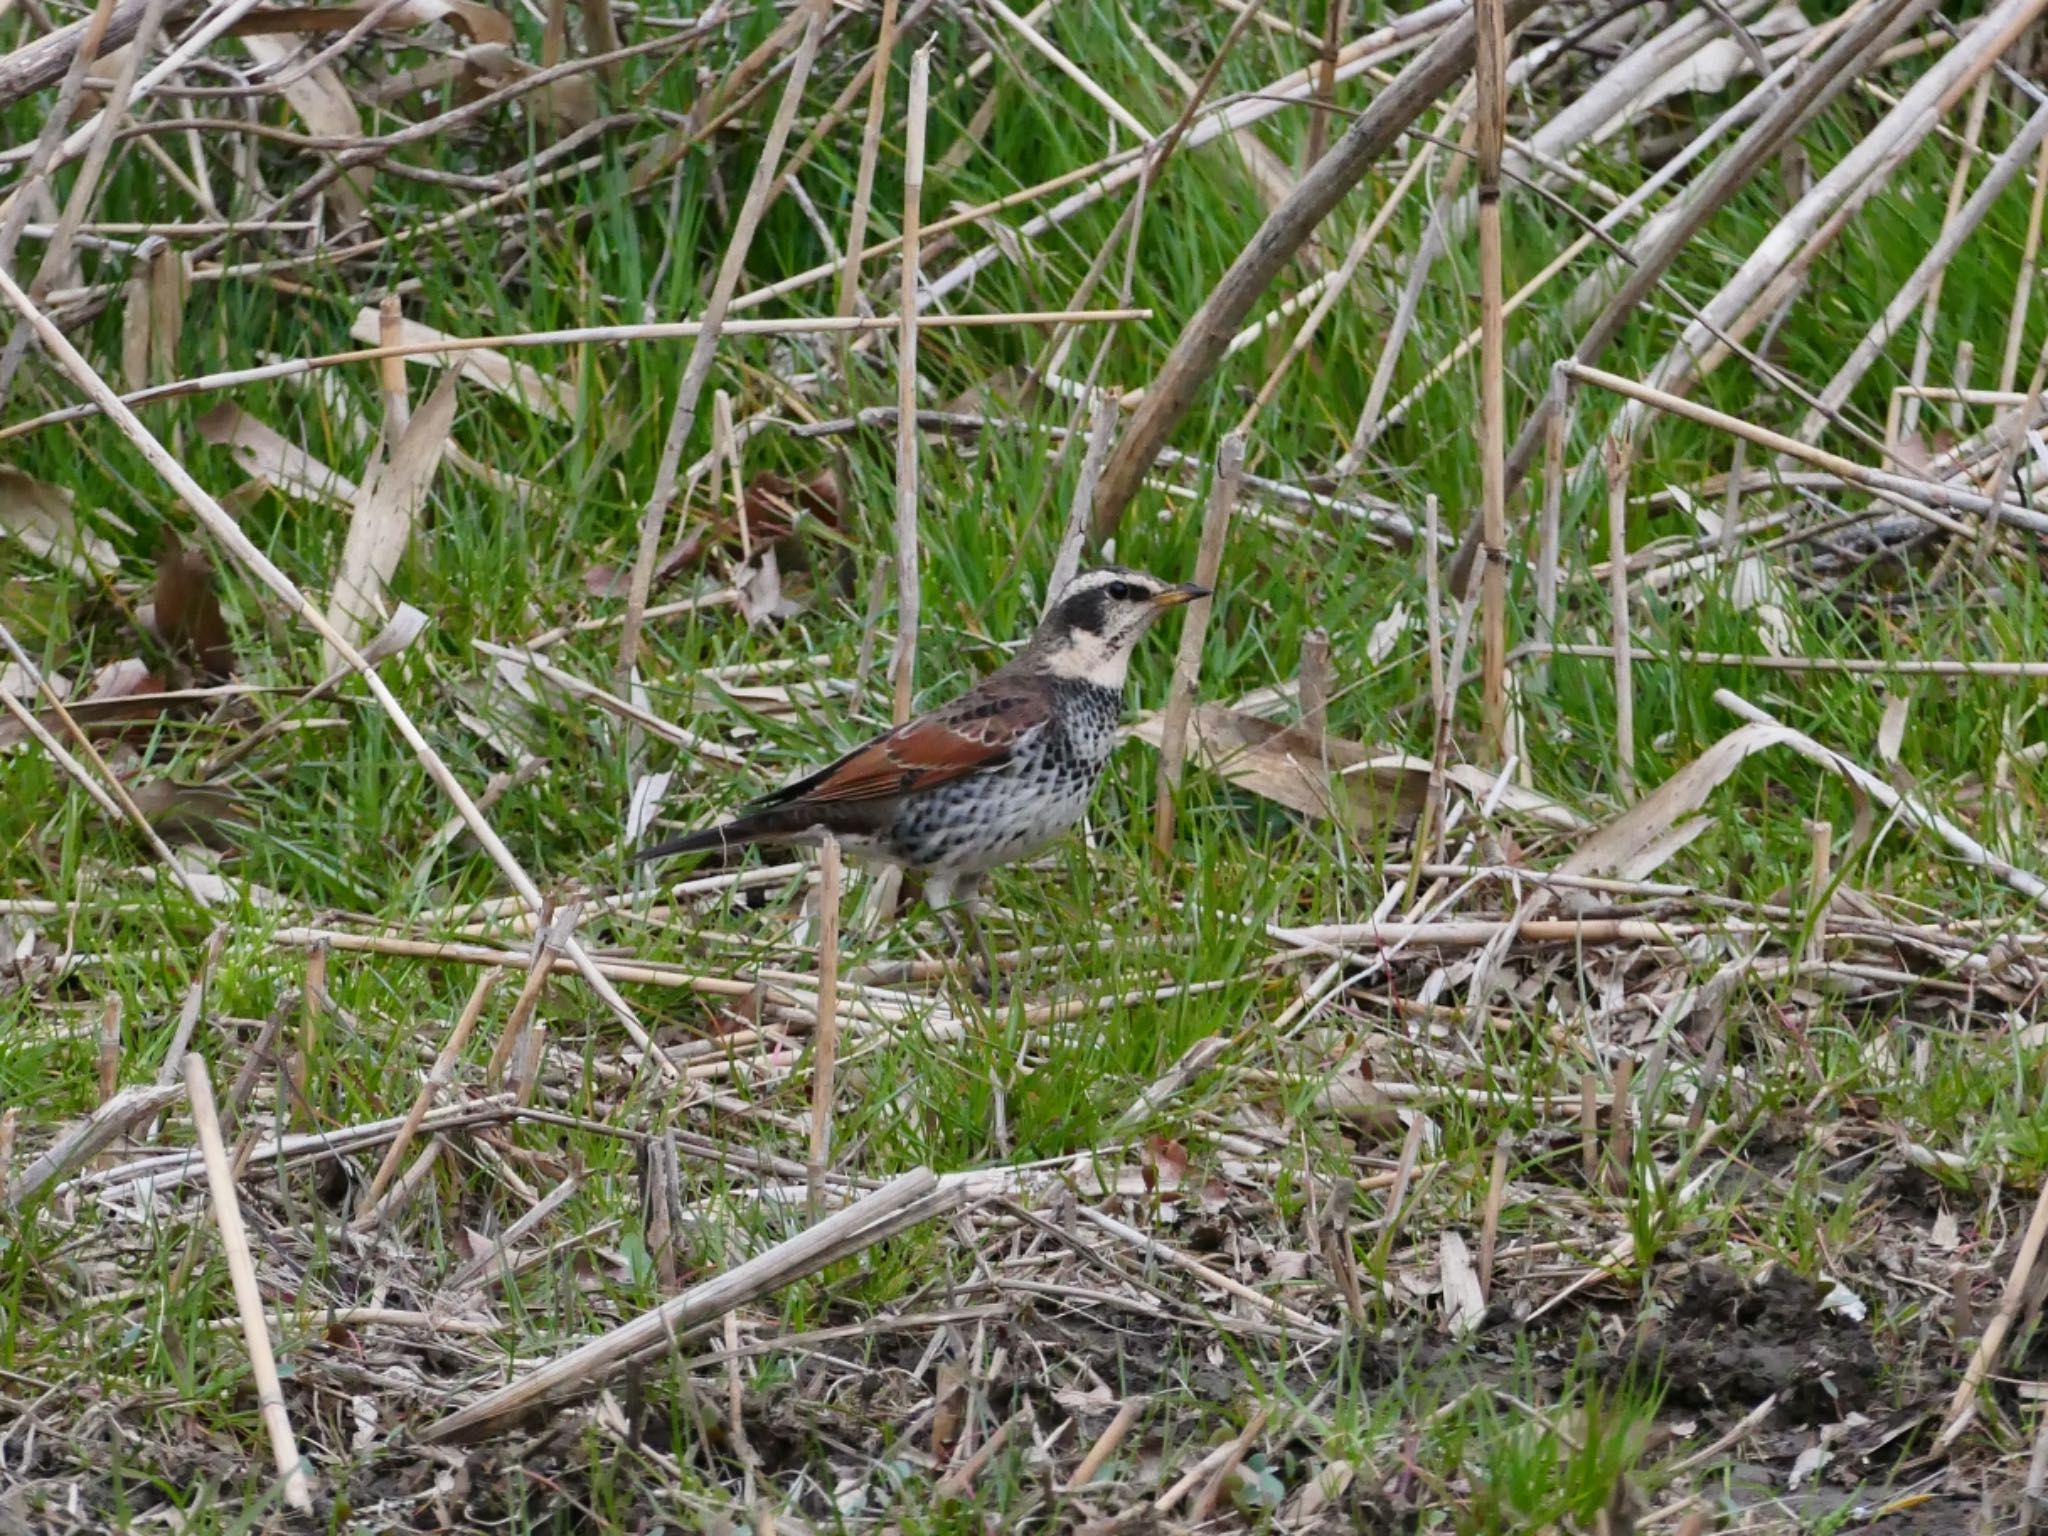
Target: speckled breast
{"x":1008,"y":813}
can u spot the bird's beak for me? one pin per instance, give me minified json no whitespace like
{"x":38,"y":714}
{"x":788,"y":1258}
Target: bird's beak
{"x":1186,"y":592}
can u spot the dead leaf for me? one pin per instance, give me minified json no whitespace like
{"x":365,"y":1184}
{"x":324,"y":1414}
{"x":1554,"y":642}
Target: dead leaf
{"x":486,"y":366}
{"x":326,"y":108}
{"x":188,"y":616}
{"x":1464,"y":1303}
{"x":949,"y":1411}
{"x":38,"y":516}
{"x":1379,"y":645}
{"x":648,"y":794}
{"x":261,"y":451}
{"x":1891,"y":731}
{"x":381,"y":524}
{"x":775,"y":506}
{"x":1637,"y":842}
{"x":1165,"y":1165}
{"x":1291,"y":767}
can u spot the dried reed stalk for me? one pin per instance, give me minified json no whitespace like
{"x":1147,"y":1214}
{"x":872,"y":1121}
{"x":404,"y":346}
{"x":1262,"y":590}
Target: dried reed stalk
{"x":1547,"y":534}
{"x":1187,"y":665}
{"x":1489,"y":77}
{"x":864,"y":176}
{"x":1615,"y":457}
{"x":234,"y":1238}
{"x":903,"y":667}
{"x":825,"y":1036}
{"x":914,"y":1195}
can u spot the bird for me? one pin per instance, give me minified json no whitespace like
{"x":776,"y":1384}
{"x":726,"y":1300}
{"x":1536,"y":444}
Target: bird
{"x":988,"y":778}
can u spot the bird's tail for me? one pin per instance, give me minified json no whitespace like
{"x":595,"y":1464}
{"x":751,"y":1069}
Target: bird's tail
{"x":738,"y":833}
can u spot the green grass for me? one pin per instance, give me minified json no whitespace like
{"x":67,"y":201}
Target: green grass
{"x":341,"y":819}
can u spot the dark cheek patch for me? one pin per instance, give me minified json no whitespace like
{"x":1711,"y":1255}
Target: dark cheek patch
{"x":1084,"y":610}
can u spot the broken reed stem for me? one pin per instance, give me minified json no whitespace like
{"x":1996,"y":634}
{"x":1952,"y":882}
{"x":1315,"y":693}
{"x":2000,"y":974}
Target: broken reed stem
{"x":1555,"y":431}
{"x":1489,"y":1230}
{"x":438,"y":1078}
{"x":1313,"y":682}
{"x":234,"y":1240}
{"x":110,"y":1046}
{"x":1621,"y":1143}
{"x":1187,"y":663}
{"x":1962,"y":1407}
{"x":1105,"y":1444}
{"x":1821,"y":844}
{"x":873,"y":1218}
{"x":1335,"y":14}
{"x":864,"y":177}
{"x":547,"y":950}
{"x":1615,"y":457}
{"x":1489,"y":76}
{"x":391,"y":374}
{"x":2023,"y":292}
{"x":527,"y":1063}
{"x":654,"y":516}
{"x":908,"y":593}
{"x":1404,"y":1178}
{"x":825,"y":1037}
{"x":1589,"y":1129}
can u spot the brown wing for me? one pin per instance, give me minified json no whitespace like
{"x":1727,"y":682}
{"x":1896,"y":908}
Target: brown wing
{"x":978,"y":730}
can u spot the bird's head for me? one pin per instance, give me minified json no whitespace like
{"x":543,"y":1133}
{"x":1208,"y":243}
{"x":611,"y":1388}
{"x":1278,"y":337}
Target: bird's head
{"x":1097,"y":621}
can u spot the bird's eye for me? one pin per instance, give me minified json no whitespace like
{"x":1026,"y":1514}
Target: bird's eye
{"x":1121,"y":591}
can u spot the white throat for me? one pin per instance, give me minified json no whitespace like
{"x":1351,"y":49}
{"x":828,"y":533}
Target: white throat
{"x":1087,"y":657}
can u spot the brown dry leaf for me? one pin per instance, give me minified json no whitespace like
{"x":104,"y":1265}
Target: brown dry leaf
{"x":776,"y":506}
{"x":492,"y":369}
{"x":1165,"y":1164}
{"x":260,"y":451}
{"x":381,"y":524}
{"x":949,"y":1411}
{"x":1636,"y":843}
{"x":188,"y":616}
{"x":1325,"y":777}
{"x":38,"y":515}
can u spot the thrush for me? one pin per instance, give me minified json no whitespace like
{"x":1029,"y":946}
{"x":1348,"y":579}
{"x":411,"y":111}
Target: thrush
{"x":989,"y":778}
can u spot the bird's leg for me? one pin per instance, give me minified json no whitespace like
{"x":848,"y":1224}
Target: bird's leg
{"x":972,"y":923}
{"x":954,"y":902}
